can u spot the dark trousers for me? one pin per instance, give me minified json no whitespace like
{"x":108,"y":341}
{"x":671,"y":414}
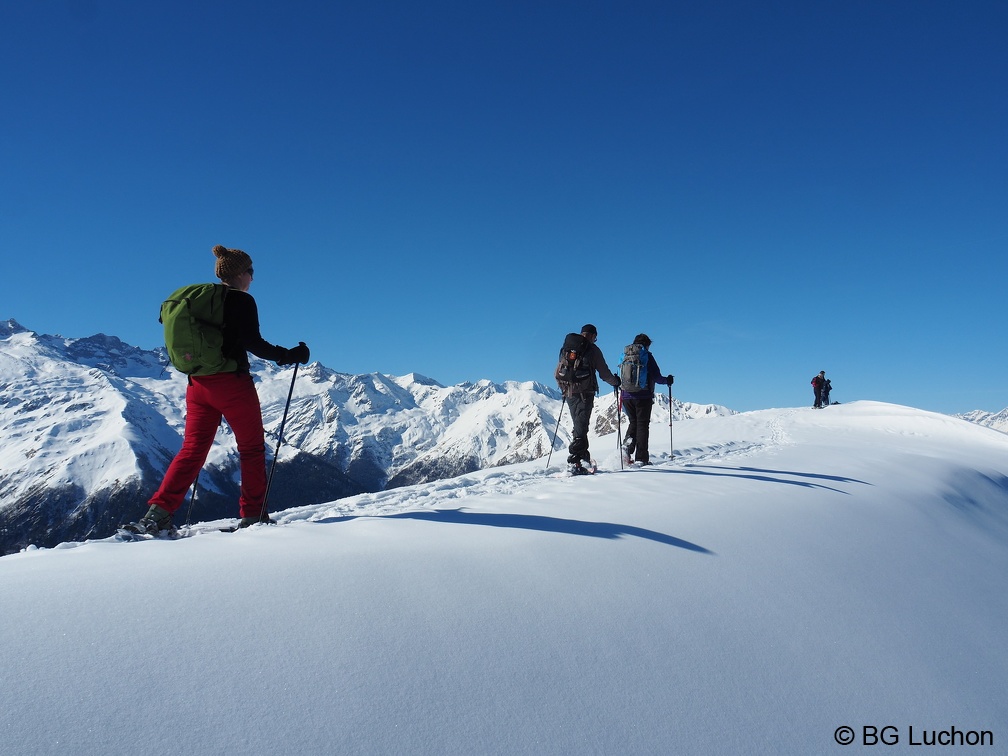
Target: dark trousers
{"x":580,"y":409}
{"x":638,"y":412}
{"x":818,"y":397}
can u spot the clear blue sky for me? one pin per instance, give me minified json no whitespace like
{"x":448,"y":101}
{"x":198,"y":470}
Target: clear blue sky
{"x":768,"y":189}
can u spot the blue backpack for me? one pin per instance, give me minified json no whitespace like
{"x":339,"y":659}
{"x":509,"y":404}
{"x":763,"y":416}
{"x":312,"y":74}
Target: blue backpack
{"x":633,"y":369}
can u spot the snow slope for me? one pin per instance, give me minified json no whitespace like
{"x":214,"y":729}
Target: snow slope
{"x":791,"y":572}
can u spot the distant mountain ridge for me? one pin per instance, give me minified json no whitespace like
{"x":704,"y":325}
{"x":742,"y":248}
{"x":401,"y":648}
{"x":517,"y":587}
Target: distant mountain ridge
{"x":996,"y":420}
{"x":88,"y":426}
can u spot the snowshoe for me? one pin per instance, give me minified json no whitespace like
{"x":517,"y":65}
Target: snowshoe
{"x":247,"y":522}
{"x":157,"y":523}
{"x":584,"y":467}
{"x":138,"y":531}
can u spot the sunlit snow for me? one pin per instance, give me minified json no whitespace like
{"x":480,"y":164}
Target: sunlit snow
{"x":790,"y":572}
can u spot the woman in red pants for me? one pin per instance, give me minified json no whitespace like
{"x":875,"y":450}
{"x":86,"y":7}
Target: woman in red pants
{"x":230,"y":395}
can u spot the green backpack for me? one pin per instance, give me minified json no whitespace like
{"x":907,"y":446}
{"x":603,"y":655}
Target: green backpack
{"x":193,"y":320}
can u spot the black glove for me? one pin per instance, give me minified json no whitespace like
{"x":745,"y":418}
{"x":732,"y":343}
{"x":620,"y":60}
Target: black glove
{"x":616,"y":383}
{"x":300,"y":353}
{"x":671,"y":380}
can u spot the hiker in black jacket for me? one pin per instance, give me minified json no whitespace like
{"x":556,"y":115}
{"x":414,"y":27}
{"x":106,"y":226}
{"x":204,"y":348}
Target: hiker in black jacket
{"x":638,"y":404}
{"x":580,"y":397}
{"x":817,"y":386}
{"x":230,"y":395}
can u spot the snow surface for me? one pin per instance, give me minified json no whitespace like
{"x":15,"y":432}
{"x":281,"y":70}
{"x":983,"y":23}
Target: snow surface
{"x":790,"y":572}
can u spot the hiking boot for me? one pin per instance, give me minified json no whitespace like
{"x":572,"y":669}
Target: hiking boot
{"x":155,"y":521}
{"x":265,"y":519}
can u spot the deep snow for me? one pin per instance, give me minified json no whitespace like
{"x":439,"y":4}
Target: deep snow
{"x":791,"y":572}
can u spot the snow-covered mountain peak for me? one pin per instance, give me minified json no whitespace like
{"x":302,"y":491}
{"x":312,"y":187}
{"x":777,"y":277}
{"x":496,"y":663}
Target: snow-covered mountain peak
{"x":9,"y":327}
{"x":416,"y":379}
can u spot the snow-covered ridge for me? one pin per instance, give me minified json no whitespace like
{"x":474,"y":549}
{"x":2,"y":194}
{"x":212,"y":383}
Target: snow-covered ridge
{"x":88,"y":425}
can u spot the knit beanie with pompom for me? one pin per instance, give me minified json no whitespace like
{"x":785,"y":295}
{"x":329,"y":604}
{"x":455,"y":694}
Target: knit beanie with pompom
{"x":230,"y":262}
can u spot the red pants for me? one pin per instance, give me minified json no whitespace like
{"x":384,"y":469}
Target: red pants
{"x":208,"y":398}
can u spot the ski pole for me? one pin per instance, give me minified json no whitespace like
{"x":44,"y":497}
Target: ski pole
{"x":553,"y":442}
{"x":283,"y":421}
{"x":619,"y":428}
{"x":192,"y":498}
{"x":671,"y":429}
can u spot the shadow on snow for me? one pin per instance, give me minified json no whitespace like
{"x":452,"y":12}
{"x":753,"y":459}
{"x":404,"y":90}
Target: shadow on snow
{"x":764,"y":476}
{"x":606,"y":530}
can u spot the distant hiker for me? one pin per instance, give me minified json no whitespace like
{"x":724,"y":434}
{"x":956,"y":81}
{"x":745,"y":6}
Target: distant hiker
{"x":817,"y":386}
{"x":229,"y":393}
{"x":580,"y":359}
{"x":639,"y":372}
{"x":826,"y":388}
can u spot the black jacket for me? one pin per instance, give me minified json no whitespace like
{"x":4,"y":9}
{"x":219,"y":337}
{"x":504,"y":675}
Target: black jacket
{"x":241,"y":331}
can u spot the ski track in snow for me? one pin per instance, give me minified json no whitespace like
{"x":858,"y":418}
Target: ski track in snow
{"x":514,"y":478}
{"x":503,"y":481}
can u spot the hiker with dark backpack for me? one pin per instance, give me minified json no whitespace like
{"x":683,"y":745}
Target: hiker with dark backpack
{"x":209,"y":330}
{"x":639,"y":372}
{"x":580,"y":360}
{"x":817,"y":386}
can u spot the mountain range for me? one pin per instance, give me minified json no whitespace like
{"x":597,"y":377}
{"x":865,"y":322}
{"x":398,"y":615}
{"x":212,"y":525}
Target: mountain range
{"x":996,"y":420}
{"x":88,"y":426}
